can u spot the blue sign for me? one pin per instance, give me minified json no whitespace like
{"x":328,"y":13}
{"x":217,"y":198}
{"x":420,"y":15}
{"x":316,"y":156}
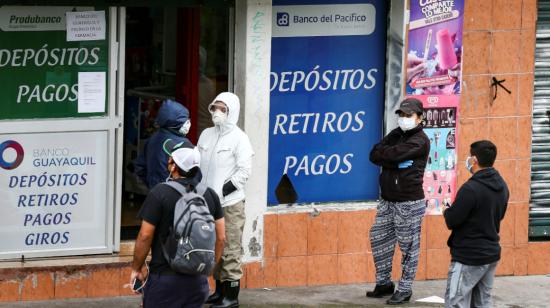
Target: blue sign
{"x":327,"y":98}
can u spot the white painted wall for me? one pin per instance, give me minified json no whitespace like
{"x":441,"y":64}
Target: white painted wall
{"x":252,"y":68}
{"x":396,"y":54}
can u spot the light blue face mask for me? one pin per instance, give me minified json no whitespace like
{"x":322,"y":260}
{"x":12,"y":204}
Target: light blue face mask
{"x":468,"y":165}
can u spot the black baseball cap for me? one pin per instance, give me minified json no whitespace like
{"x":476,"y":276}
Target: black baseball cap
{"x":169,"y":146}
{"x":410,"y":106}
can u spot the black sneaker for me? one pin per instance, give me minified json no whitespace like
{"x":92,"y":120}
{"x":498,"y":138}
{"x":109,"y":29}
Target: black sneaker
{"x":399,"y":298}
{"x":381,"y":290}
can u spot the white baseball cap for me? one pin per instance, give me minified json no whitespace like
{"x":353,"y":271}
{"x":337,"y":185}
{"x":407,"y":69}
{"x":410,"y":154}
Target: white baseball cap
{"x":187,"y":158}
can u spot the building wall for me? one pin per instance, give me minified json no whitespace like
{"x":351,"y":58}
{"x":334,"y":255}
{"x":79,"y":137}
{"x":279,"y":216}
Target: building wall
{"x":329,"y":244}
{"x":332,"y":247}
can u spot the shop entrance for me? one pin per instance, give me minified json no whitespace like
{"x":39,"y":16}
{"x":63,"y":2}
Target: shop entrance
{"x":181,"y":54}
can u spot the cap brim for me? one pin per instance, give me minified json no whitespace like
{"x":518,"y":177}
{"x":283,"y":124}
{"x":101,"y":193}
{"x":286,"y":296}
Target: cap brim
{"x":170,"y":146}
{"x":404,"y":110}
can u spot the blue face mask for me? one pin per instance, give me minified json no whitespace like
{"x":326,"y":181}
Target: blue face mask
{"x":406,"y":123}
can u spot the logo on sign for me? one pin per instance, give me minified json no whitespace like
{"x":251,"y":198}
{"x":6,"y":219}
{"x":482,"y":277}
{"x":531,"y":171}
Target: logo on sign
{"x":14,"y":145}
{"x":283,"y":19}
{"x":433,"y":100}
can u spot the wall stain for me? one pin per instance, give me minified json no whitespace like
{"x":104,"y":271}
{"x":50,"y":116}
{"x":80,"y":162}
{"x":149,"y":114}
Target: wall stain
{"x":255,"y":225}
{"x":254,"y":247}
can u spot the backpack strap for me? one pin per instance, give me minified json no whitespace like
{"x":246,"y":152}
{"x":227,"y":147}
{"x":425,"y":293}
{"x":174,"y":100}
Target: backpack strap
{"x":201,"y":189}
{"x":177,"y":186}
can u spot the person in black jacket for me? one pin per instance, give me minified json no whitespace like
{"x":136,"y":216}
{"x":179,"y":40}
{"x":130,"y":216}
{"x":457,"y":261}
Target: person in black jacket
{"x":474,"y":219}
{"x":403,"y":155}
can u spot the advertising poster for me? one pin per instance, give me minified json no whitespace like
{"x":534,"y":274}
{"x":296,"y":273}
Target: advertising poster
{"x":433,"y":65}
{"x":440,"y":124}
{"x":53,"y":188}
{"x":327,"y":98}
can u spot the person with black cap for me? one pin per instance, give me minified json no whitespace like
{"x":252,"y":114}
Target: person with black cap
{"x":403,"y":155}
{"x":163,"y":287}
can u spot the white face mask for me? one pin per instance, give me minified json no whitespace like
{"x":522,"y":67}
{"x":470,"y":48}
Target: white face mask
{"x":406,"y":123}
{"x":185,"y":127}
{"x":219,"y":117}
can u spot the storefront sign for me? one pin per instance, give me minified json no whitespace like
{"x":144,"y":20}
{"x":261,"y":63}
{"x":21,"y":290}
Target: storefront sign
{"x":326,"y":20}
{"x":327,"y":98}
{"x":434,"y":55}
{"x":33,"y":18}
{"x":54,"y":192}
{"x":39,"y":68}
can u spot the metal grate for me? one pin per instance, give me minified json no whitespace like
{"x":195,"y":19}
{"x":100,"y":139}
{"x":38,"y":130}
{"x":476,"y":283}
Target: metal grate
{"x":539,"y":214}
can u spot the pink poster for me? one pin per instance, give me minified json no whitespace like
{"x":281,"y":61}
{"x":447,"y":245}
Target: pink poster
{"x":440,"y":124}
{"x":434,"y":50}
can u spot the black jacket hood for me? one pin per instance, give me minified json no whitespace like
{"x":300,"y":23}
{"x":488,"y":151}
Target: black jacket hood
{"x":490,"y":178}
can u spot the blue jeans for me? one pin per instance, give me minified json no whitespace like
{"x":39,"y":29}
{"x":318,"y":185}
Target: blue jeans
{"x":175,"y":291}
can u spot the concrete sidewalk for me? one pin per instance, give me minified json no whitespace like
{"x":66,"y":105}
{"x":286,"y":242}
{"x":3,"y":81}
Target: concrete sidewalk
{"x":509,"y":292}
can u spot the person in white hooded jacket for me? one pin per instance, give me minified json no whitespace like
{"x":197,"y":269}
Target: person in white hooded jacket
{"x":226,"y":163}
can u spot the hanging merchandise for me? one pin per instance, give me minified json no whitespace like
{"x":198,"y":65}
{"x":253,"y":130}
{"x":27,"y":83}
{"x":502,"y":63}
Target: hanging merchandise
{"x":451,"y":140}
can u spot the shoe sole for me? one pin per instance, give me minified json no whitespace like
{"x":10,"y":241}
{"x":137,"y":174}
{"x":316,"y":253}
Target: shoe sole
{"x":379,"y":296}
{"x":405,"y":301}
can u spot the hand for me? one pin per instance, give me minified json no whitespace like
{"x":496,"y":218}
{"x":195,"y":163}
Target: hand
{"x":415,"y":66}
{"x":136,"y":275}
{"x":406,"y":164}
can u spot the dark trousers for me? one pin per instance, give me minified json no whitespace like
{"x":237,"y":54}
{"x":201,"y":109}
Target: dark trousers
{"x":175,"y":291}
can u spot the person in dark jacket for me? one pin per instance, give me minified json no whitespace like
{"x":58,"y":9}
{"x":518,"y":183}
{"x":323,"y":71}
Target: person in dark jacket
{"x":151,"y":163}
{"x":474,"y":219}
{"x":403,"y":155}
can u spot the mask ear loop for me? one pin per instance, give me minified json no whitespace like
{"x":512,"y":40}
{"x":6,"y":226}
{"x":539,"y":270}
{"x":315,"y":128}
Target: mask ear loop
{"x":147,"y":278}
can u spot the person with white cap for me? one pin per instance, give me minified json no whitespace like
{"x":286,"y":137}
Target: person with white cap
{"x":226,"y":161}
{"x":163,"y":287}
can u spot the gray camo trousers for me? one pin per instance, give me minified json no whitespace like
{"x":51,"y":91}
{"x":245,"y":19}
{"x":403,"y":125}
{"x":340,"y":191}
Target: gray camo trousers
{"x":469,"y":286}
{"x":397,"y":222}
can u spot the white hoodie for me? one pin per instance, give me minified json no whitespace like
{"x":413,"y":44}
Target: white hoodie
{"x":226,"y":153}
